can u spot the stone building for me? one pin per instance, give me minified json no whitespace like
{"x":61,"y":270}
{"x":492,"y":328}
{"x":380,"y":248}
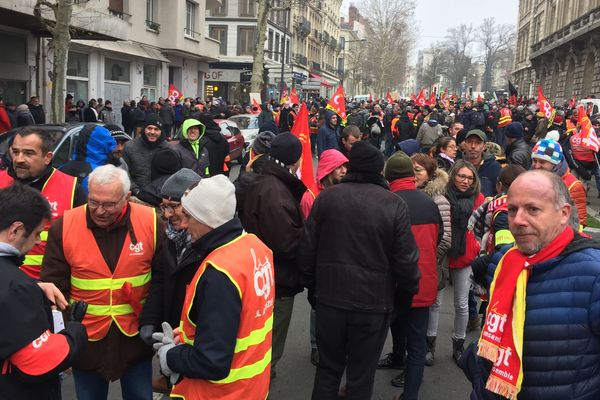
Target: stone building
{"x":558,"y":46}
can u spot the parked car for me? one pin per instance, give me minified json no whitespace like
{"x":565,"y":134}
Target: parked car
{"x":248,"y":124}
{"x":234,"y":137}
{"x":65,"y":138}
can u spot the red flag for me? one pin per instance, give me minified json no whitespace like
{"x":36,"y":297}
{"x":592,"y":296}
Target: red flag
{"x":413,"y":97}
{"x":284,"y":95}
{"x":444,"y":95}
{"x":432,"y":101}
{"x":420,"y":100}
{"x":388,"y":97}
{"x":256,"y":106}
{"x":294,"y":96}
{"x":370,"y":97}
{"x":302,"y":131}
{"x":545,"y":106}
{"x":587,"y":134}
{"x":512,"y":100}
{"x":479,"y":99}
{"x":337,"y":103}
{"x":573,"y":102}
{"x":174,"y":93}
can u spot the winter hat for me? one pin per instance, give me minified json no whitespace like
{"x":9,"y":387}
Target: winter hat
{"x":262,"y":142}
{"x":117,"y":133}
{"x":176,"y":185}
{"x":548,"y":150}
{"x":22,"y":108}
{"x":553,"y":135}
{"x":211,"y":202}
{"x":514,"y":130}
{"x":152,"y":119}
{"x":399,"y":165}
{"x":558,"y":119}
{"x":409,"y":146}
{"x":476,"y":132}
{"x":286,"y":148}
{"x":165,"y":162}
{"x":329,"y":161}
{"x":364,"y":157}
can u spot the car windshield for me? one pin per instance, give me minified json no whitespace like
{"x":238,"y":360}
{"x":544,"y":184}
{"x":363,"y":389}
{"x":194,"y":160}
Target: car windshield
{"x":245,"y":122}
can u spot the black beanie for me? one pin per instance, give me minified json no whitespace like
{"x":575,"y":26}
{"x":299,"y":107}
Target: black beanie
{"x":165,"y":162}
{"x":286,"y":148}
{"x":262,"y":142}
{"x":399,"y":165}
{"x":514,"y":130}
{"x":364,"y":157}
{"x":152,"y":119}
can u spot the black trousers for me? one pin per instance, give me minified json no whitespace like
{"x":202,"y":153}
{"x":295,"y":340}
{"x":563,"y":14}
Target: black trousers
{"x":348,"y":340}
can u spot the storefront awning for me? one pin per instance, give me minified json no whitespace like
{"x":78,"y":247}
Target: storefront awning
{"x":125,"y":47}
{"x":322,"y":81}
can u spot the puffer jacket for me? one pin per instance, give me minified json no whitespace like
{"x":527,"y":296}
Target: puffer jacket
{"x":576,"y":189}
{"x":94,"y":147}
{"x":327,"y":137}
{"x":561,"y":349}
{"x":138,"y":155}
{"x":194,"y":155}
{"x":428,"y":133}
{"x":488,"y":173}
{"x":519,"y":153}
{"x":357,"y":257}
{"x":436,"y":189}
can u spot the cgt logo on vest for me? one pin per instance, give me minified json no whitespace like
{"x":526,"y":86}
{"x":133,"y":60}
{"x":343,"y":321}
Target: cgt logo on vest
{"x":263,"y":276}
{"x":53,"y":207}
{"x":136,"y":249}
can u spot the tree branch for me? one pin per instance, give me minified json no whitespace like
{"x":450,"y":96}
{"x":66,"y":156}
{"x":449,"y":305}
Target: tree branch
{"x":37,"y":11}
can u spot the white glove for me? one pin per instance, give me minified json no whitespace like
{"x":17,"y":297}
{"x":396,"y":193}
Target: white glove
{"x":164,"y":367}
{"x":163,"y":338}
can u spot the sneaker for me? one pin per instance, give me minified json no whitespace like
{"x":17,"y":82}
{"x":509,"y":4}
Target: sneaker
{"x":389,"y":362}
{"x":314,"y":357}
{"x":398,"y":380}
{"x":474,"y":324}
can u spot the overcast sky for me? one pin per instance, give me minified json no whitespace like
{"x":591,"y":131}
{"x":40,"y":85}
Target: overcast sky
{"x":434,"y":17}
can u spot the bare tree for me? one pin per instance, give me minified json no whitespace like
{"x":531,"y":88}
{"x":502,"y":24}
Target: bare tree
{"x":494,"y":40}
{"x":435,"y":67}
{"x":390,"y":38}
{"x":61,"y":39}
{"x":457,"y":53}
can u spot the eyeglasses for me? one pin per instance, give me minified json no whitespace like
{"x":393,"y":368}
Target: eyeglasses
{"x":170,"y":208}
{"x":110,"y":206}
{"x":419,"y":170}
{"x":467,"y":178}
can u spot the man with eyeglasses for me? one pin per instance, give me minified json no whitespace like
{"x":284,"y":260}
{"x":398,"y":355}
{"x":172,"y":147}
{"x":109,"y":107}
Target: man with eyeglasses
{"x":30,"y":152}
{"x":488,"y":169}
{"x":105,"y":254}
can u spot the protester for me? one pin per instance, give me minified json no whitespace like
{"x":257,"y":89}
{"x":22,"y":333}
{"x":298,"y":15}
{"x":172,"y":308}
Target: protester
{"x":121,"y":137}
{"x":90,"y":114}
{"x":33,"y":352}
{"x":37,"y":110}
{"x":445,"y":151}
{"x":328,"y":134}
{"x":517,"y":150}
{"x":370,"y":264}
{"x":5,"y":124}
{"x":216,"y":144}
{"x":107,"y":114}
{"x":31,"y":165}
{"x":192,"y":147}
{"x":485,"y":163}
{"x":551,"y":264}
{"x":24,"y":116}
{"x":350,"y":135}
{"x":110,"y":240}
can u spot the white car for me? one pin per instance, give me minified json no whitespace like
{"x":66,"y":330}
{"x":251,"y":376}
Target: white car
{"x":248,"y":124}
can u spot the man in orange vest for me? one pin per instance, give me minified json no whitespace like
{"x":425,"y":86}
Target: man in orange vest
{"x":222,"y":349}
{"x":103,"y":253}
{"x":31,"y":158}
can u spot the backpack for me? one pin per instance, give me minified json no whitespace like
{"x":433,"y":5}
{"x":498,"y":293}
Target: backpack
{"x":375,"y":130}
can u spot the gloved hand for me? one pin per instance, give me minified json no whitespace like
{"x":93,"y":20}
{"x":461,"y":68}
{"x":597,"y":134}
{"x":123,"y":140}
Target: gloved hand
{"x":77,"y":310}
{"x":163,"y":338}
{"x":146,"y":332}
{"x":164,"y":367}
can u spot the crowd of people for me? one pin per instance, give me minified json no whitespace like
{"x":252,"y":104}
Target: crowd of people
{"x":150,"y":249}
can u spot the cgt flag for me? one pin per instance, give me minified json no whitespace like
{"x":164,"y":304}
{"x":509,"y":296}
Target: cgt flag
{"x":174,"y":93}
{"x":388,"y":97}
{"x":294,"y":96}
{"x":337,"y":103}
{"x":587,"y":134}
{"x":302,"y":131}
{"x":545,"y":106}
{"x":420,"y":100}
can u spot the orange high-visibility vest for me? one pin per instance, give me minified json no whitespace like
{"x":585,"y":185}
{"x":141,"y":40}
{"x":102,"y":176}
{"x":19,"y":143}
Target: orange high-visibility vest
{"x":248,"y":263}
{"x":505,"y":117}
{"x":111,"y":296}
{"x":59,"y":190}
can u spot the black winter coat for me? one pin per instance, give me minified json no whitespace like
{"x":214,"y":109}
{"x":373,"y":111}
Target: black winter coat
{"x":272,"y":212}
{"x":519,"y":153}
{"x":359,"y":252}
{"x":218,"y":149}
{"x":406,"y":129}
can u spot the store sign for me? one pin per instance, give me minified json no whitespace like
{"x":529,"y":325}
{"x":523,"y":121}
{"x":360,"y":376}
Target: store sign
{"x":223,"y":75}
{"x":299,"y":76}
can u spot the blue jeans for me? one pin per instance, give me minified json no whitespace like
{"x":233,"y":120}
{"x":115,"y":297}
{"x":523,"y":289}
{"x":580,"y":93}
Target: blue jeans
{"x":409,"y":328}
{"x":473,"y":314}
{"x":136,"y":383}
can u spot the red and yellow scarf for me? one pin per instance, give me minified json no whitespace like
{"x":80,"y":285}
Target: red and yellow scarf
{"x":501,"y":339}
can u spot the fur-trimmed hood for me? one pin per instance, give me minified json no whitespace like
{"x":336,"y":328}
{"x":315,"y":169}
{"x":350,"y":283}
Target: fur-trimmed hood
{"x":436,"y":186}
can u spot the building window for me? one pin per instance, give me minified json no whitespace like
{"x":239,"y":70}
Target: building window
{"x":77,"y":65}
{"x":116,"y":70}
{"x":283,"y":50}
{"x":247,"y":8}
{"x":219,"y":33}
{"x":276,"y":52}
{"x":270,"y":44}
{"x":190,"y":19}
{"x":220,"y":9}
{"x":287,"y":51}
{"x":150,"y":75}
{"x":151,"y":15}
{"x":246,"y":41}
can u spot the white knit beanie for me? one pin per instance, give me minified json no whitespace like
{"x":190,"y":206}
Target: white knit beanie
{"x":211,"y":202}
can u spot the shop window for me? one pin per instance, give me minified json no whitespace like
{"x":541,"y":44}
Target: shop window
{"x":13,"y":49}
{"x":116,"y":70}
{"x":77,"y":65}
{"x":78,"y":88}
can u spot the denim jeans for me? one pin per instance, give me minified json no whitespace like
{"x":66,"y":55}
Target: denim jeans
{"x":434,"y":314}
{"x":461,"y":285}
{"x":136,"y":383}
{"x":472,"y":306}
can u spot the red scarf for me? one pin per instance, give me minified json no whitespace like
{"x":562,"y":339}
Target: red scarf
{"x":403,"y":184}
{"x":501,"y":339}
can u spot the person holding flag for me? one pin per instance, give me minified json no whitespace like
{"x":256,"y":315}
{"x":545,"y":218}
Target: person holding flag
{"x":585,"y":146}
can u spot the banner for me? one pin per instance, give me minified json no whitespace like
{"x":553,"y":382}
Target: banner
{"x":587,"y":134}
{"x":174,"y":93}
{"x":302,"y":131}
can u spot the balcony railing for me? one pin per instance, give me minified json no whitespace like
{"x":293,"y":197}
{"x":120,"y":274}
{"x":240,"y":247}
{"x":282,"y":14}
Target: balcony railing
{"x":316,"y":66}
{"x":191,"y":34}
{"x":119,"y":14}
{"x":155,"y":26}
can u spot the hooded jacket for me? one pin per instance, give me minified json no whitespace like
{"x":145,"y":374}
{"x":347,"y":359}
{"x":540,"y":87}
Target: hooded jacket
{"x":428,"y":133}
{"x":519,"y":153}
{"x":327,"y":136}
{"x":94,"y":147}
{"x":405,"y":128}
{"x":488,"y":172}
{"x":330,"y":160}
{"x":194,"y":154}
